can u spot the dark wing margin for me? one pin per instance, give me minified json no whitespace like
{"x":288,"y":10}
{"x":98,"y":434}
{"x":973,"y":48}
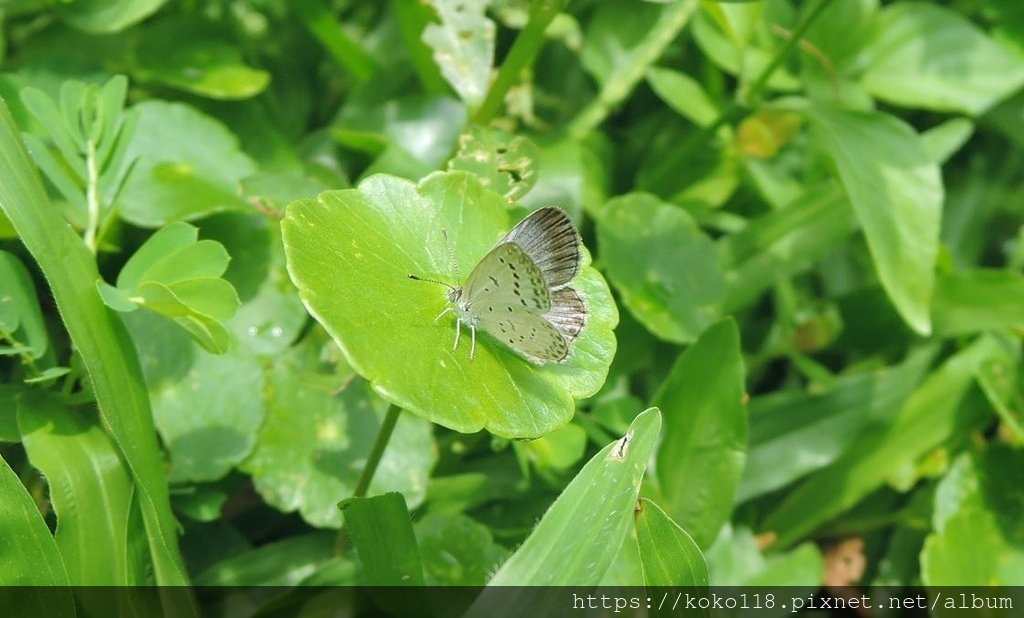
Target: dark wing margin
{"x":549,"y":237}
{"x":568,"y":312}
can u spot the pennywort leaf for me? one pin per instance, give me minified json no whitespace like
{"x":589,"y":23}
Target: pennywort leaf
{"x":362,"y":245}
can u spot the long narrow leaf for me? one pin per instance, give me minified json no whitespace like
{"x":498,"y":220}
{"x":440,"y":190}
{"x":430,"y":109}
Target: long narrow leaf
{"x":90,"y":489}
{"x":101,"y":339}
{"x":580,"y":535}
{"x":382,"y":533}
{"x":701,"y":459}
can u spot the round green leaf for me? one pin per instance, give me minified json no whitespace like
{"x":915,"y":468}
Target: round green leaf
{"x":207,"y":408}
{"x":187,"y":165}
{"x":455,"y":550}
{"x":504,"y":162}
{"x":350,"y":253}
{"x":315,"y":441}
{"x":664,"y":266}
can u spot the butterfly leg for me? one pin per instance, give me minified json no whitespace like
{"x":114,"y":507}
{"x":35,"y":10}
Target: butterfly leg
{"x":447,"y":309}
{"x":472,"y":346}
{"x":458,"y":331}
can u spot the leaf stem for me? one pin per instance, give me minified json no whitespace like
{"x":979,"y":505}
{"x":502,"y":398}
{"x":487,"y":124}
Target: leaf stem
{"x":373,"y":459}
{"x":618,"y":86}
{"x":794,"y":39}
{"x":521,"y":55}
{"x":662,"y":176}
{"x":92,"y":196}
{"x":318,"y":19}
{"x":372,"y":462}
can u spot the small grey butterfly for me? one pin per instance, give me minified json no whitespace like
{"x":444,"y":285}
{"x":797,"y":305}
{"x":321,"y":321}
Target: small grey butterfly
{"x":519,"y":292}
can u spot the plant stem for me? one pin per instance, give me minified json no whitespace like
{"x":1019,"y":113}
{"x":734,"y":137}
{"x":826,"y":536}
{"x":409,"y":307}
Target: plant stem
{"x":524,"y":50}
{"x":92,"y":196}
{"x":618,"y":86}
{"x":663,"y":173}
{"x":412,"y":17}
{"x":372,"y":462}
{"x":373,"y":459}
{"x":794,"y":39}
{"x":318,"y":19}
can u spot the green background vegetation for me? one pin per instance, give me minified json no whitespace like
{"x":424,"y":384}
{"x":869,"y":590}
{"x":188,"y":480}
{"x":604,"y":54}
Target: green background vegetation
{"x":804,"y":234}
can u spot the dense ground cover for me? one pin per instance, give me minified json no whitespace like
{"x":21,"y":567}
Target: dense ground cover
{"x":803,"y":244}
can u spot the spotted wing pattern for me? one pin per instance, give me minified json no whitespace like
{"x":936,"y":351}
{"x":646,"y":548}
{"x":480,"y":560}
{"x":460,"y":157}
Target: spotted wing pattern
{"x":549,"y":237}
{"x":518,"y":293}
{"x":506,"y":280}
{"x":529,"y":334}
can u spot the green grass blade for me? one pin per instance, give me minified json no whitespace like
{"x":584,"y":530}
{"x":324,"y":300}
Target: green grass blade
{"x":669,"y":555}
{"x":101,"y":339}
{"x":930,"y":416}
{"x":28,"y":554}
{"x":383,"y":536}
{"x":90,"y":489}
{"x":580,"y":535}
{"x":794,"y":433}
{"x":701,"y":459}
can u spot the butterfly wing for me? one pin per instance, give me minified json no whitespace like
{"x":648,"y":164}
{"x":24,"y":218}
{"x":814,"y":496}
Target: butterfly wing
{"x":529,"y":334}
{"x":568,"y":312}
{"x":507,"y":296}
{"x":506,"y":280}
{"x":549,"y":237}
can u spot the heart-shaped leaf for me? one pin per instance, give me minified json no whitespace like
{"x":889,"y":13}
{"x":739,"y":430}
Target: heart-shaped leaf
{"x":350,"y":253}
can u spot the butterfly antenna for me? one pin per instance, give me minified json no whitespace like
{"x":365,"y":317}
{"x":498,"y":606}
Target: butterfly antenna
{"x":451,"y":254}
{"x":418,"y":278}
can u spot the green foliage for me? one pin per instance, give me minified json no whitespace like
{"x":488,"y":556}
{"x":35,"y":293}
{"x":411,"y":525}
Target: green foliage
{"x":599,"y":499}
{"x":389,"y":229}
{"x":21,"y":322}
{"x":90,"y":491}
{"x":670,"y":557}
{"x":976,"y":540}
{"x":704,"y":446}
{"x":81,"y":145}
{"x":802,"y":240}
{"x":178,"y":277}
{"x":382,"y":533}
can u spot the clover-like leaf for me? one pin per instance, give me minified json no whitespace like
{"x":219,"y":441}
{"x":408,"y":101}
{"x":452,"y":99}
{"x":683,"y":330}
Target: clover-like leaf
{"x":504,"y":162}
{"x":179,"y":277}
{"x":350,"y":253}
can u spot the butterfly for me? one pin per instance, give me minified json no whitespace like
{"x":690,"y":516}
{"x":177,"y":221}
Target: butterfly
{"x":519,"y":292}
